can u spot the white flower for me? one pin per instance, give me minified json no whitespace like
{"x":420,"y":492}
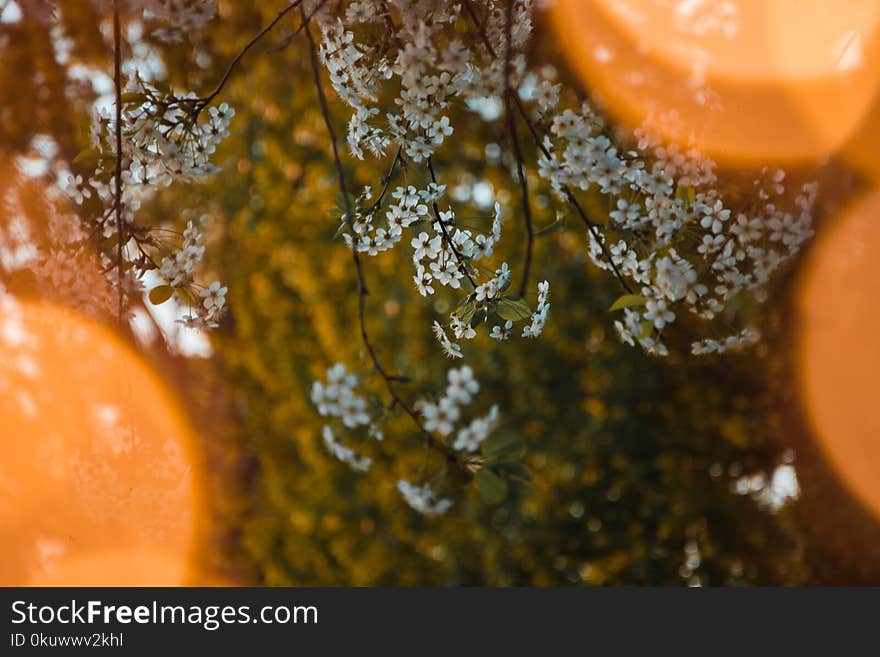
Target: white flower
{"x":451,"y":349}
{"x":77,"y":190}
{"x":442,"y":416}
{"x":423,"y":281}
{"x":343,"y":453}
{"x":425,"y":246}
{"x":462,"y":385}
{"x":502,"y":333}
{"x":471,"y":437}
{"x":423,"y":499}
{"x":461,"y":330}
{"x":657,"y":312}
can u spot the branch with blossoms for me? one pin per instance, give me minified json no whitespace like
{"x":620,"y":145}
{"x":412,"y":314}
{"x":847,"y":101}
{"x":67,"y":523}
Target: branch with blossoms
{"x":349,"y":219}
{"x":153,"y":138}
{"x":657,"y":221}
{"x":652,"y":215}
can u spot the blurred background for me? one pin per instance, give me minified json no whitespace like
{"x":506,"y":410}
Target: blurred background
{"x":754,"y":468}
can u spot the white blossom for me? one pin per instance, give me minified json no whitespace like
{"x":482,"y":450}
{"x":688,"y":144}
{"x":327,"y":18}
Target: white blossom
{"x":343,"y":453}
{"x":423,"y":499}
{"x":472,"y":436}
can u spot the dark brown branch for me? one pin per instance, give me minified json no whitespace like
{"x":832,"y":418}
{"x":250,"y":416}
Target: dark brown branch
{"x":117,"y":192}
{"x":509,"y":93}
{"x":250,"y":44}
{"x":290,"y":37}
{"x":481,"y":29}
{"x":591,"y":226}
{"x":386,"y":182}
{"x":389,"y":380}
{"x":462,"y":265}
{"x":569,"y":195}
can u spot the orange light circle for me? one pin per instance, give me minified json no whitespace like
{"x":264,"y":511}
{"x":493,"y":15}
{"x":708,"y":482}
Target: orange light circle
{"x":753,"y":82}
{"x":839,"y":354}
{"x":99,"y":481}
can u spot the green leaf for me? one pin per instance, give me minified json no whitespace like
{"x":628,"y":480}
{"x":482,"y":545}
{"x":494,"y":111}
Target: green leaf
{"x":161,"y":294}
{"x":188,"y":296}
{"x":628,"y":301}
{"x":492,"y":488}
{"x":502,"y":445}
{"x":87,"y":155}
{"x":466,"y":311}
{"x":686,"y":193}
{"x":134,"y":97}
{"x":479,"y":317}
{"x":514,"y":470}
{"x":513,"y":309}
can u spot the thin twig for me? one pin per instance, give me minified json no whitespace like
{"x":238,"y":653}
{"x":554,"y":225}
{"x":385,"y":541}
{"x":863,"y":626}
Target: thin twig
{"x":591,"y":226}
{"x":117,"y":84}
{"x":386,"y":182}
{"x":509,"y":92}
{"x":250,"y":44}
{"x":389,"y":380}
{"x":462,"y":265}
{"x":569,"y":194}
{"x":290,"y":37}
{"x":481,"y":29}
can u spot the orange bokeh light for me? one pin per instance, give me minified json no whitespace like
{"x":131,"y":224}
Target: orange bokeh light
{"x":838,"y":350}
{"x":860,"y":152}
{"x":98,"y":477}
{"x":753,"y":82}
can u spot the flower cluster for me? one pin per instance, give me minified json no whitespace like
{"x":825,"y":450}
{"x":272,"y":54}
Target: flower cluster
{"x":664,"y":228}
{"x":441,"y":417}
{"x":337,"y":398}
{"x":165,"y":138}
{"x":177,"y":268}
{"x":539,"y":317}
{"x":179,"y":17}
{"x":410,"y":206}
{"x":669,"y":231}
{"x":213,"y":301}
{"x":206,"y":304}
{"x":445,"y":256}
{"x":169,"y":136}
{"x":427,"y":68}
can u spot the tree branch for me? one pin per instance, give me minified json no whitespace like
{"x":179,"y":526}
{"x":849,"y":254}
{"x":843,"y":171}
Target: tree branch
{"x":117,"y":192}
{"x":509,"y":93}
{"x":386,"y":181}
{"x":462,"y":266}
{"x":432,"y":442}
{"x":250,"y":44}
{"x":591,"y":226}
{"x":569,"y":195}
